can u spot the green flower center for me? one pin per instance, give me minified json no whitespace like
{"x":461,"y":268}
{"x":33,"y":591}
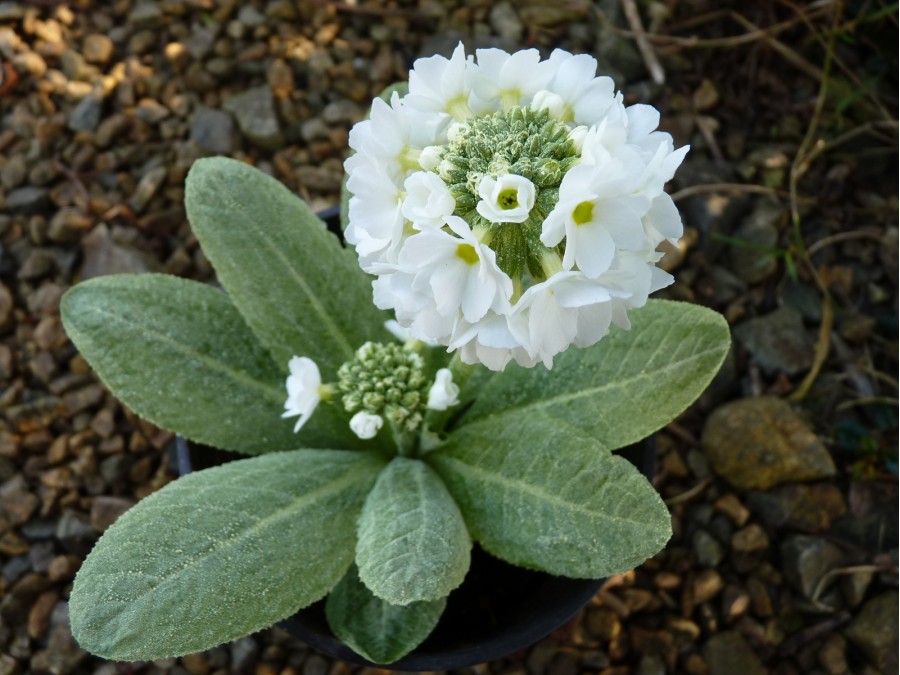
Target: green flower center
{"x":508,"y":199}
{"x":518,"y":141}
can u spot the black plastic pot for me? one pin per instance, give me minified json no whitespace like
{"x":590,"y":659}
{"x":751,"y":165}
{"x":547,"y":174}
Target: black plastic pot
{"x":499,"y":609}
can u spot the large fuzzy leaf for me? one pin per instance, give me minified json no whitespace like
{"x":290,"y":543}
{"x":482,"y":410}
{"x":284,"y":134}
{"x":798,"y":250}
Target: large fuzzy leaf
{"x":178,"y":353}
{"x":625,"y":387}
{"x":297,"y":288}
{"x":375,"y":629}
{"x":413,"y":544}
{"x":221,"y":553}
{"x":540,"y":494}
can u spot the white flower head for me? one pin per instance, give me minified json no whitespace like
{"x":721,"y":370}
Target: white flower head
{"x":303,"y":389}
{"x":443,"y":393}
{"x":366,"y":425}
{"x":510,"y":206}
{"x":507,"y":199}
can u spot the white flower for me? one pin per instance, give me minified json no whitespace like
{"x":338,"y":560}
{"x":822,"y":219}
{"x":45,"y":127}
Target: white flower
{"x":366,"y":425}
{"x":303,"y":389}
{"x":441,"y":85}
{"x":507,"y":199}
{"x":376,"y":223}
{"x":599,"y":215}
{"x":504,"y":80}
{"x":460,"y":272}
{"x":489,"y":342}
{"x":443,"y":393}
{"x":586,"y":97}
{"x":428,"y":201}
{"x":567,"y":308}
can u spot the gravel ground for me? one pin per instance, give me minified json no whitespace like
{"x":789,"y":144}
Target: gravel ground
{"x":782,"y":486}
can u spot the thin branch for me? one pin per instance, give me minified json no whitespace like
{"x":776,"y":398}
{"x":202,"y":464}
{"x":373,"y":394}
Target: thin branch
{"x":643,"y":44}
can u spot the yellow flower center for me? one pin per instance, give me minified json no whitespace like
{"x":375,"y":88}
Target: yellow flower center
{"x":583,"y":213}
{"x":467,"y":253}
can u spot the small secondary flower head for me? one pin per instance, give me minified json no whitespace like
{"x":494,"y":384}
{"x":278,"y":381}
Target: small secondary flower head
{"x":384,"y":380}
{"x":303,"y":387}
{"x":511,"y":207}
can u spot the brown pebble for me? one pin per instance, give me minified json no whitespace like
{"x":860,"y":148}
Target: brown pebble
{"x":105,"y":510}
{"x":735,"y":602}
{"x":141,"y":470}
{"x":82,"y":399}
{"x":706,"y":585}
{"x":13,"y":544}
{"x":603,"y":623}
{"x":639,"y":600}
{"x":58,"y":450}
{"x":39,"y":616}
{"x":16,"y":501}
{"x":731,"y":506}
{"x":833,"y":655}
{"x":683,"y":630}
{"x":196,"y":664}
{"x":760,"y":599}
{"x":694,"y":664}
{"x":655,"y":643}
{"x":63,"y":567}
{"x":751,"y":539}
{"x":667,"y":580}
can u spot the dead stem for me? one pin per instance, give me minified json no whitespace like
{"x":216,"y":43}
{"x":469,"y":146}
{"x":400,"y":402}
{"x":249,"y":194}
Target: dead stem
{"x":643,"y":44}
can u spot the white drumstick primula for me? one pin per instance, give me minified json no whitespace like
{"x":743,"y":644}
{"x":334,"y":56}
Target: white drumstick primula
{"x":511,"y":207}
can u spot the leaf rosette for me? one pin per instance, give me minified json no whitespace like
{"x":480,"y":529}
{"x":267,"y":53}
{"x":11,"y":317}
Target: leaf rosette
{"x":401,"y":458}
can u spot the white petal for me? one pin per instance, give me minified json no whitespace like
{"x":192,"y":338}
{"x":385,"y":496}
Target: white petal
{"x":443,"y":393}
{"x":366,"y":425}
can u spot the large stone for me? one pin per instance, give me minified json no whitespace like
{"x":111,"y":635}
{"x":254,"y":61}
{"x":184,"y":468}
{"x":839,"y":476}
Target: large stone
{"x":255,"y":113}
{"x":757,"y":443}
{"x":28,"y":200}
{"x":103,"y":255}
{"x":805,"y":561}
{"x":86,"y":115}
{"x":778,"y":341}
{"x":213,"y":130}
{"x":807,"y":508}
{"x":874,"y":631}
{"x":757,"y":235}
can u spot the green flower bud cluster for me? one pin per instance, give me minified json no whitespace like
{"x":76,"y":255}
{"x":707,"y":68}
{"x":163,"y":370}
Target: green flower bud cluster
{"x":520,"y":141}
{"x":387,"y":380}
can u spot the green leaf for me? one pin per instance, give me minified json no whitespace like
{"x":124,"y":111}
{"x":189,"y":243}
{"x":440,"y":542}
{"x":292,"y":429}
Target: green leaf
{"x":540,"y":494}
{"x":297,"y":288}
{"x":375,"y":629}
{"x":625,"y":387}
{"x":178,"y":353}
{"x":221,"y":553}
{"x":413,"y":544}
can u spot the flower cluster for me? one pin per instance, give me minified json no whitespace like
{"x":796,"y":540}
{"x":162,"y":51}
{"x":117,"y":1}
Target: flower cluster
{"x":381,"y":382}
{"x":511,"y":207}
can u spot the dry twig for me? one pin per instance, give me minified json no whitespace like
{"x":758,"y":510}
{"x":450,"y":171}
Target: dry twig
{"x":643,"y":44}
